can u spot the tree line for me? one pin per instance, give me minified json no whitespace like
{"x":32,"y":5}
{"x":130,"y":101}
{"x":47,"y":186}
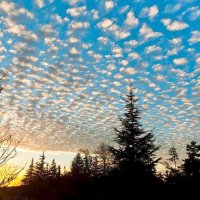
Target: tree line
{"x":107,"y":172}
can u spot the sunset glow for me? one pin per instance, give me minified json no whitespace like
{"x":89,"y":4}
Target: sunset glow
{"x":69,"y":61}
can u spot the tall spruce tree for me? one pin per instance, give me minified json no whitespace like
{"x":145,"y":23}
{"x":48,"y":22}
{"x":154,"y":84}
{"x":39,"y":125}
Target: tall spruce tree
{"x":40,"y":168}
{"x":29,"y":176}
{"x":87,"y":160}
{"x":191,"y":165}
{"x":77,"y":167}
{"x":135,"y":144}
{"x":95,"y":168}
{"x":52,"y":172}
{"x":174,"y":155}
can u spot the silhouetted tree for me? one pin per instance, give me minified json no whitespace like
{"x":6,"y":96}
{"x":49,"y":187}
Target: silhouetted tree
{"x":52,"y":172}
{"x":77,"y":167}
{"x":87,"y":160}
{"x":95,"y":168}
{"x":104,"y":159}
{"x":87,"y":164}
{"x":174,"y":156}
{"x":40,"y":168}
{"x":29,"y":176}
{"x":172,"y":174}
{"x":135,"y":144}
{"x":58,"y":173}
{"x":191,"y":165}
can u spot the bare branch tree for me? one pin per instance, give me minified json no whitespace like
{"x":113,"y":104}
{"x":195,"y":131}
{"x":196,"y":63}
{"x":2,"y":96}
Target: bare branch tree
{"x":9,"y":173}
{"x":8,"y":150}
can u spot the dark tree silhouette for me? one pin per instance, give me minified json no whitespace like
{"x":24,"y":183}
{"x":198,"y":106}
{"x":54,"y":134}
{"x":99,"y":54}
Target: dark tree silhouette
{"x":95,"y":168}
{"x":173,"y":173}
{"x":40,"y":168}
{"x":135,"y":144}
{"x":52,"y":172}
{"x":191,"y":165}
{"x":77,"y":167}
{"x":87,"y":160}
{"x":58,"y":172}
{"x":174,"y":156}
{"x":104,"y":159}
{"x":29,"y":176}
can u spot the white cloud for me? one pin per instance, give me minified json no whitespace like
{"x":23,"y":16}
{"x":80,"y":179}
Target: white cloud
{"x":74,"y":51}
{"x":77,"y":11}
{"x":166,"y":21}
{"x":111,"y":67}
{"x":47,"y":29}
{"x":73,"y":40}
{"x":152,"y":48}
{"x":39,"y":3}
{"x":151,"y":12}
{"x":79,"y":25}
{"x":73,"y":2}
{"x":128,"y":70}
{"x":134,"y":55}
{"x":124,"y":9}
{"x":2,"y":57}
{"x":174,"y":51}
{"x":148,"y":33}
{"x":117,"y":51}
{"x":198,"y":60}
{"x":7,"y":6}
{"x":195,"y":38}
{"x":104,"y":24}
{"x":180,"y":61}
{"x":195,"y":13}
{"x":131,"y":43}
{"x":149,"y":95}
{"x":95,"y":14}
{"x":124,"y":62}
{"x":160,"y":78}
{"x":118,"y":76}
{"x":104,"y":40}
{"x":176,"y":41}
{"x":109,"y":26}
{"x":175,"y":25}
{"x":22,"y":11}
{"x":120,"y":34}
{"x":116,"y":83}
{"x":179,"y":72}
{"x":181,"y":92}
{"x":157,"y":67}
{"x":96,"y":56}
{"x":109,"y":5}
{"x":171,"y":8}
{"x":131,"y":20}
{"x":20,"y":31}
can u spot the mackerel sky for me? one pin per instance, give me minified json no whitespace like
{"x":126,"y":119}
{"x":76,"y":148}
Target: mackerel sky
{"x":69,"y":61}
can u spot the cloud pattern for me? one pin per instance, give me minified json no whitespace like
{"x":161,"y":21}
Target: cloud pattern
{"x":69,"y":61}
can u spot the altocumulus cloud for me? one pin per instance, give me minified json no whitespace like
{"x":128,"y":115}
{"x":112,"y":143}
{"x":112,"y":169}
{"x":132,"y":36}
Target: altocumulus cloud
{"x":69,"y":61}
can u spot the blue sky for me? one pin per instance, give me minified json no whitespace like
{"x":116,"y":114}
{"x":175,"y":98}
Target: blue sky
{"x":69,"y":61}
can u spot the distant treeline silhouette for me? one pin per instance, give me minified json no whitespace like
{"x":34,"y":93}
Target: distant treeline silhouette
{"x":124,"y":171}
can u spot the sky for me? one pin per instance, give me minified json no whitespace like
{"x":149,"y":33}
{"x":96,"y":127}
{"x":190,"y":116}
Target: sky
{"x":69,"y":61}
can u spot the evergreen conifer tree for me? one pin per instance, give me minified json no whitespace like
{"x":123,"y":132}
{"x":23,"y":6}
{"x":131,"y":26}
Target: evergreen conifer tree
{"x":29,"y":176}
{"x":135,"y":144}
{"x":40,"y":168}
{"x":77,"y":167}
{"x":52,"y":170}
{"x":191,"y":165}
